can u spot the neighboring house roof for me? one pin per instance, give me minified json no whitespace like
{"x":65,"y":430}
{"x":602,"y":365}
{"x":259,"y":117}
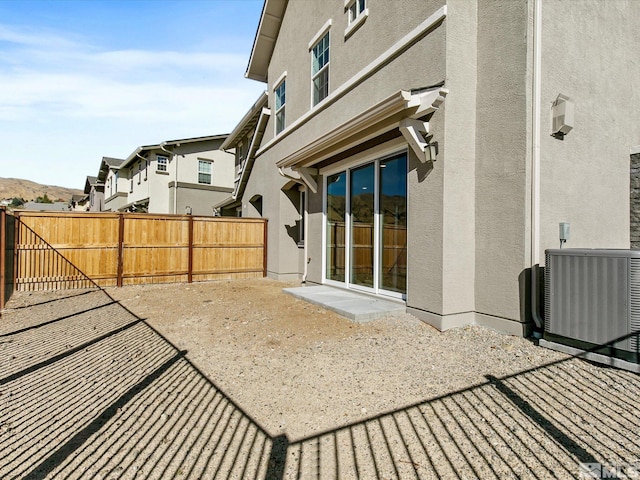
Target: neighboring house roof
{"x":49,"y":207}
{"x":169,"y":143}
{"x":92,"y":182}
{"x":265,"y":40}
{"x":108,"y":163}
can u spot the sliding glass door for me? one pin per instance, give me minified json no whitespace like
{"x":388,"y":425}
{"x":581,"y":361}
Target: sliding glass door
{"x":393,"y":220}
{"x":362,"y":206}
{"x":336,"y":211}
{"x":366,"y":226}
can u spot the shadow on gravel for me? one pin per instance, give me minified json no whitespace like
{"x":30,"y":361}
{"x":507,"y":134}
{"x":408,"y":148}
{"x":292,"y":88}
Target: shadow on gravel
{"x":95,"y":393}
{"x":90,"y":390}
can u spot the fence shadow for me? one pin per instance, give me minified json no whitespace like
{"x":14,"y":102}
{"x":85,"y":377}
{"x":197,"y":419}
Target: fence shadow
{"x":100,"y":393}
{"x":547,"y":422}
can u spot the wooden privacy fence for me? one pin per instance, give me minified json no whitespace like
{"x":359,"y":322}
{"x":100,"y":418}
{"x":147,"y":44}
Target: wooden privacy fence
{"x":75,"y":250}
{"x":7,"y":244}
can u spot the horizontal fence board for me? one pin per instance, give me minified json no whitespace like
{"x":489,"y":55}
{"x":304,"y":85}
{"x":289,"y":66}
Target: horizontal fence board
{"x":71,"y":250}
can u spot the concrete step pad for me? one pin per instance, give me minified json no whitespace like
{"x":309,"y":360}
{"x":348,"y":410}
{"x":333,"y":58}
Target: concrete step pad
{"x":355,"y":306}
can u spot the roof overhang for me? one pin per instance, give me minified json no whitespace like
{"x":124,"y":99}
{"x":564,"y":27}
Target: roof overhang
{"x":140,"y":152}
{"x":248,"y":121}
{"x":265,"y":40}
{"x":372,"y":122}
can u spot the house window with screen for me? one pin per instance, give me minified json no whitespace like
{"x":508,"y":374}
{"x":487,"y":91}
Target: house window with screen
{"x":280,"y":94}
{"x":320,"y":69}
{"x":204,"y":172}
{"x":162,"y":163}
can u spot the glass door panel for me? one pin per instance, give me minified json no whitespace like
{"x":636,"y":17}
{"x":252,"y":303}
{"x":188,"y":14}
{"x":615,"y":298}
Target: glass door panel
{"x":362,"y":206}
{"x":393,"y":213}
{"x":336,"y":216}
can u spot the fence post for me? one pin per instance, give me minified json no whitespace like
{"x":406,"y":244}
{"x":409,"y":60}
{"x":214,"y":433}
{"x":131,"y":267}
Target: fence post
{"x":120,"y":249}
{"x":3,"y":255}
{"x":190,"y":265}
{"x":17,"y":238}
{"x":264,"y":252}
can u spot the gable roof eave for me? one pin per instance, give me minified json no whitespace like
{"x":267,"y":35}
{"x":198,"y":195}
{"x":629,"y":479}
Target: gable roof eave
{"x":265,"y":39}
{"x":247,"y":122}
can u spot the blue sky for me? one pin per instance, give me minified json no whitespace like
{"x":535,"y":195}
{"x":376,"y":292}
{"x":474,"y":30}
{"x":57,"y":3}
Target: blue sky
{"x":83,"y":79}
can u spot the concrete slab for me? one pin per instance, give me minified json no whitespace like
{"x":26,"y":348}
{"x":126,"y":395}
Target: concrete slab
{"x":355,"y":306}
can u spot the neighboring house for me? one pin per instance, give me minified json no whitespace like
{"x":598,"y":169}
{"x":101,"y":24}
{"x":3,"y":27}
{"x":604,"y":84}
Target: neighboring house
{"x":419,"y":140}
{"x":94,"y":189}
{"x":115,"y":184}
{"x":80,"y":203}
{"x":178,"y":176}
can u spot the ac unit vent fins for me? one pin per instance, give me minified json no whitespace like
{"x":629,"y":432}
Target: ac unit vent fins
{"x":634,"y":303}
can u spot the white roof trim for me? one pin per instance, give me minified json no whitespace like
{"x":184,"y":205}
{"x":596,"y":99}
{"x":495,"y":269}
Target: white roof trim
{"x":376,"y":120}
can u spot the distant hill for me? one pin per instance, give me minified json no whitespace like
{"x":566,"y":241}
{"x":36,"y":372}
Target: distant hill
{"x":16,"y":187}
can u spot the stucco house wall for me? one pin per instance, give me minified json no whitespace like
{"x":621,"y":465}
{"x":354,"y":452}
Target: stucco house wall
{"x":481,"y":215}
{"x":175,"y":188}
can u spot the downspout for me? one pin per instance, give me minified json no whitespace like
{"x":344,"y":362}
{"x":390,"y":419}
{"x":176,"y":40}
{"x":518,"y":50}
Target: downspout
{"x":175,"y":185}
{"x":535,"y":163}
{"x":304,"y":212}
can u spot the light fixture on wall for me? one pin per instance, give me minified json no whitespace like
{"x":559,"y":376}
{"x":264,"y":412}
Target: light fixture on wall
{"x":416,"y":133}
{"x":431,"y":151}
{"x":562,"y":116}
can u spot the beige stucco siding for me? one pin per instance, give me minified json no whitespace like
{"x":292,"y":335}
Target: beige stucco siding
{"x":501,"y":156}
{"x":585,"y":177}
{"x":421,"y":65}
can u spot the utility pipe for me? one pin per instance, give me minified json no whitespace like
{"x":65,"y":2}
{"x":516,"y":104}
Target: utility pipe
{"x":535,"y":161}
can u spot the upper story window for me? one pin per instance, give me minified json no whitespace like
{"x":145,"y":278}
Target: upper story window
{"x":139,"y":172}
{"x":131,"y":184}
{"x":162,"y":163}
{"x":115,"y":181}
{"x":320,"y":69}
{"x":357,"y":11}
{"x":204,"y":172}
{"x":280,"y":94}
{"x":146,"y":164}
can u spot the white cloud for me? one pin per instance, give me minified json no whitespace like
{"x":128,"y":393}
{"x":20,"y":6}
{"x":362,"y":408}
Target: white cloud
{"x":71,"y":102}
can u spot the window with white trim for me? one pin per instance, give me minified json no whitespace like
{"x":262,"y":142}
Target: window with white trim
{"x":320,"y":69}
{"x":280,"y":93}
{"x":146,"y":164}
{"x":131,"y":184}
{"x":162,"y":163}
{"x":204,"y":172}
{"x":139,"y":172}
{"x":356,"y":8}
{"x":357,"y":13}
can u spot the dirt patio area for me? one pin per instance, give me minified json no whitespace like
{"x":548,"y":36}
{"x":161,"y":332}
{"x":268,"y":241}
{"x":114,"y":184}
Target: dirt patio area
{"x":235,"y":379}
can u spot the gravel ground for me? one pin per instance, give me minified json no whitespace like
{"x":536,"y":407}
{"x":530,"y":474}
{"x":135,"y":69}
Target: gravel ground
{"x":235,"y":379}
